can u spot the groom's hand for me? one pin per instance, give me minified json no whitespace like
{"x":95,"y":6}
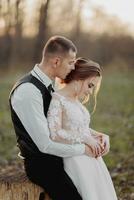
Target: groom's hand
{"x":106,"y":144}
{"x":89,"y":152}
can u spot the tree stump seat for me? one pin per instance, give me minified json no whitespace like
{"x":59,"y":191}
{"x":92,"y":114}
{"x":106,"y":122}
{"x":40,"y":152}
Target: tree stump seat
{"x":14,"y":185}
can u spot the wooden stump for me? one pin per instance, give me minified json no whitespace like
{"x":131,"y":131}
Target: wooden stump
{"x":14,"y":185}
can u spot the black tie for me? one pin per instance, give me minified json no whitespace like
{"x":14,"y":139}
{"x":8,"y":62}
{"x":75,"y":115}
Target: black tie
{"x":50,"y":88}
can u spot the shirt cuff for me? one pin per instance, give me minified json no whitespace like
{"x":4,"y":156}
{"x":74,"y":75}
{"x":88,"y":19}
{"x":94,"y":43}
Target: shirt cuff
{"x":80,"y":149}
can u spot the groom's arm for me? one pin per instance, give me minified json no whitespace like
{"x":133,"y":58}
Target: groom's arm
{"x":28,"y":104}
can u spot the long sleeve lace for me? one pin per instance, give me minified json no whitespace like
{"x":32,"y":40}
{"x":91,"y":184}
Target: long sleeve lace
{"x":55,"y":120}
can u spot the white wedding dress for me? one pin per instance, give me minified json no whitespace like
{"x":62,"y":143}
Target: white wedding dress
{"x":70,"y":120}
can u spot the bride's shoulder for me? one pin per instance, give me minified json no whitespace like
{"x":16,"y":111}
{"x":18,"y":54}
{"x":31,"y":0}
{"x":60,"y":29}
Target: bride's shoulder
{"x":57,"y":96}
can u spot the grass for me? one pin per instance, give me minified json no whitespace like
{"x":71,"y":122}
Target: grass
{"x":114,"y":114}
{"x":8,"y":148}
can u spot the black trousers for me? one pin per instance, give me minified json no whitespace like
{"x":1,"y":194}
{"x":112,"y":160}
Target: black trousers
{"x":48,"y":172}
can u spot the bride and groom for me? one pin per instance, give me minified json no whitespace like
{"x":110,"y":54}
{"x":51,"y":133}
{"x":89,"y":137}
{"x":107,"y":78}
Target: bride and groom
{"x":61,"y":152}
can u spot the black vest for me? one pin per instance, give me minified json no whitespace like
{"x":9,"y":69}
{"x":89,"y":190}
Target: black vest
{"x":27,"y":146}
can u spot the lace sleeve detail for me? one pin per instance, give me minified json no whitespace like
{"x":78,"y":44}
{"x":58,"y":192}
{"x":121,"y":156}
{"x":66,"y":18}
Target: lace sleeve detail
{"x":93,"y":132}
{"x":54,"y":117}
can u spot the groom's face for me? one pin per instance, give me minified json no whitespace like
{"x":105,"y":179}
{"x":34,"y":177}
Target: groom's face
{"x":66,"y":64}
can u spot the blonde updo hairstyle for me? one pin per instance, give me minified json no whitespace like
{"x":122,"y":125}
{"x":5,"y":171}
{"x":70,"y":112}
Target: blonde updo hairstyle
{"x":84,"y":69}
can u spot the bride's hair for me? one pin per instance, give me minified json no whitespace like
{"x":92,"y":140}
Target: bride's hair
{"x":84,"y":69}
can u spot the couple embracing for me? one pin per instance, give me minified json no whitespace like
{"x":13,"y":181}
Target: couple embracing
{"x":61,"y":153}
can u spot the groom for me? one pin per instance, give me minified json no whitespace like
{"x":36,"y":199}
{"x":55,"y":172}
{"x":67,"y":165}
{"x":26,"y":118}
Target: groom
{"x":29,"y":102}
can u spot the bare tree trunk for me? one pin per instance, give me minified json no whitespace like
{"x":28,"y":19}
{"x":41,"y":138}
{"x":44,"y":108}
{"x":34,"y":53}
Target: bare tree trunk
{"x":7,"y":37}
{"x":18,"y":26}
{"x":77,"y":31}
{"x":42,"y":33}
{"x":17,"y":39}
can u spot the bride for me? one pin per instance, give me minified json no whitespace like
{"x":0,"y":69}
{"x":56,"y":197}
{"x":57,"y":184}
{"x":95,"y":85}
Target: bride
{"x":68,"y":121}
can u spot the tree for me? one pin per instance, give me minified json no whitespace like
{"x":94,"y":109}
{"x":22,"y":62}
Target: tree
{"x":42,"y":33}
{"x":6,"y":40}
{"x":17,"y":26}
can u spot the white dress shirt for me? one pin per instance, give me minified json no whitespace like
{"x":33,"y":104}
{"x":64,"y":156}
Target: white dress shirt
{"x":28,"y":104}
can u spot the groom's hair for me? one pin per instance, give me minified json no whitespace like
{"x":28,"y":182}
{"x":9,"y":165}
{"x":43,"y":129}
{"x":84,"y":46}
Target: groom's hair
{"x":58,"y":45}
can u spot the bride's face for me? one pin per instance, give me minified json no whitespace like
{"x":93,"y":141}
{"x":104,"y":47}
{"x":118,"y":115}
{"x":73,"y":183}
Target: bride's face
{"x":88,"y":85}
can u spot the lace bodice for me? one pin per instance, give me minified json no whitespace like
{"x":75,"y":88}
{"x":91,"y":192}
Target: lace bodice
{"x":67,"y":118}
